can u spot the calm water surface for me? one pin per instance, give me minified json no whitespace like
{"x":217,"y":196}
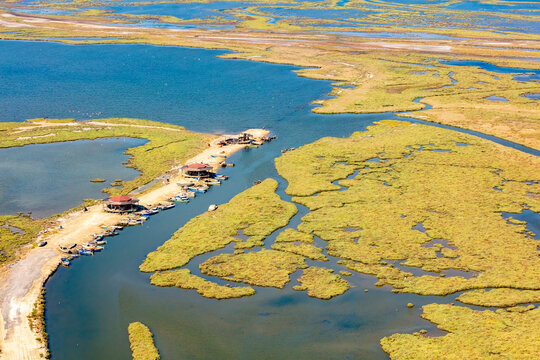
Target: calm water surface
{"x":50,"y":178}
{"x":91,"y":304}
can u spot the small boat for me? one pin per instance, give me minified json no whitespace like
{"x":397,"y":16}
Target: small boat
{"x":85,"y":252}
{"x":41,"y":243}
{"x":257,"y":182}
{"x":65,"y":262}
{"x":287,"y":150}
{"x":98,"y":237}
{"x":100,"y":242}
{"x":168,"y":206}
{"x":212,"y":207}
{"x":67,"y":249}
{"x":124,"y":221}
{"x":98,"y":248}
{"x":221,"y":177}
{"x":185,"y":183}
{"x":212,"y":182}
{"x":110,"y":233}
{"x":64,"y":249}
{"x":198,"y":189}
{"x":180,"y":200}
{"x":187,"y":194}
{"x":149,"y":212}
{"x":88,"y":246}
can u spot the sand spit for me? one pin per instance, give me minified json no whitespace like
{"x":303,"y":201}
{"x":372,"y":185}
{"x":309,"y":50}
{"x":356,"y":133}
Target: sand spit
{"x":21,"y":285}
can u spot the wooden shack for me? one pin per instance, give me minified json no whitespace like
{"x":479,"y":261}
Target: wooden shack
{"x":121,"y":204}
{"x":199,"y":171}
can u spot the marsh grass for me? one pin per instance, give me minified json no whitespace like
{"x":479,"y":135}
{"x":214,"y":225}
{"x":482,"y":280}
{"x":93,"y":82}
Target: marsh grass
{"x":322,"y":283}
{"x":472,"y":335}
{"x":142,"y":342}
{"x":258,"y":212}
{"x":183,"y":279}
{"x":261,"y":268}
{"x":168,"y":145}
{"x":451,"y":193}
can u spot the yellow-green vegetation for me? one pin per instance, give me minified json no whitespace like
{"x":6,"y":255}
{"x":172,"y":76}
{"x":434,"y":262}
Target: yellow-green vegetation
{"x":257,"y":212}
{"x":411,"y":174}
{"x":142,"y":342}
{"x":499,"y":297}
{"x":308,"y":250}
{"x":168,"y":145}
{"x":36,"y":321}
{"x":97,"y":180}
{"x":183,"y":279}
{"x":291,"y":235}
{"x":321,"y":283}
{"x":472,"y":335}
{"x":16,"y":231}
{"x":261,"y":268}
{"x":384,"y":78}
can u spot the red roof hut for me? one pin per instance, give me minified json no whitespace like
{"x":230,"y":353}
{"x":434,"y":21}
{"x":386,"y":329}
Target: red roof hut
{"x":121,"y":203}
{"x":198,"y":170}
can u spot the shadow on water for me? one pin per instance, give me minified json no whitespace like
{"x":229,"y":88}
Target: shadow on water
{"x":91,"y":303}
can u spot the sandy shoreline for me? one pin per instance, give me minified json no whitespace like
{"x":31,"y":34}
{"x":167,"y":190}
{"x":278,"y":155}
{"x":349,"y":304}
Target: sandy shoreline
{"x":24,"y":279}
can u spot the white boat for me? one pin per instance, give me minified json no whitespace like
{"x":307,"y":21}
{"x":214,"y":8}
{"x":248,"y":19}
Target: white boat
{"x":212,"y":207}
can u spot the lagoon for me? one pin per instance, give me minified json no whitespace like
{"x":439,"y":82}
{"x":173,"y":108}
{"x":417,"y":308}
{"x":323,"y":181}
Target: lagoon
{"x":47,"y":179}
{"x":90,"y":304}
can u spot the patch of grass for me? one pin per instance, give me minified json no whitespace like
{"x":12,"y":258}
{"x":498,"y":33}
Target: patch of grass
{"x":183,"y":279}
{"x":423,"y":177}
{"x":499,"y":297}
{"x":308,"y":250}
{"x":291,"y":235}
{"x":142,"y":342}
{"x":10,"y":241}
{"x":168,"y":145}
{"x":472,"y":335}
{"x":322,"y":283}
{"x":258,"y":212}
{"x":36,"y":321}
{"x":98,"y":180}
{"x":261,"y":268}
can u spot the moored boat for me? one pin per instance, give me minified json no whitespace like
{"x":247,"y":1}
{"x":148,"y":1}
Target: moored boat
{"x":212,"y":207}
{"x":65,"y":262}
{"x":167,"y":206}
{"x":85,"y":252}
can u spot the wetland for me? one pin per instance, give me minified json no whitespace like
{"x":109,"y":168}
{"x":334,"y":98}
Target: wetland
{"x":411,"y":197}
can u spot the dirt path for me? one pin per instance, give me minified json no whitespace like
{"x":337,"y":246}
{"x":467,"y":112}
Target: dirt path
{"x":21,"y":287}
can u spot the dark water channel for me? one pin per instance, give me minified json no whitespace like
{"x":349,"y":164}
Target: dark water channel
{"x":90,"y":304}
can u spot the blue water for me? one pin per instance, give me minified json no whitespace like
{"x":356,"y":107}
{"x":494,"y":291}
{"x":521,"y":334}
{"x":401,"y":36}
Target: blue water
{"x":182,"y":10}
{"x":90,"y":305}
{"x":532,"y":96}
{"x":51,"y":178}
{"x":491,"y":67}
{"x":497,"y":98}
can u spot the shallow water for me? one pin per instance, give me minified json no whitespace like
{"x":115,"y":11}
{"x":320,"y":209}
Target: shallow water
{"x":93,"y":301}
{"x":48,"y":179}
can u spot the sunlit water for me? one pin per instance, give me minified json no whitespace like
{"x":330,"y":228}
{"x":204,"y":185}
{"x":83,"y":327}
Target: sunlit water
{"x":50,"y":178}
{"x":90,"y":304}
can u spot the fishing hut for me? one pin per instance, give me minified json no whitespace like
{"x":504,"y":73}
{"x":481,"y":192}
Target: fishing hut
{"x":199,"y":171}
{"x":121,"y":204}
